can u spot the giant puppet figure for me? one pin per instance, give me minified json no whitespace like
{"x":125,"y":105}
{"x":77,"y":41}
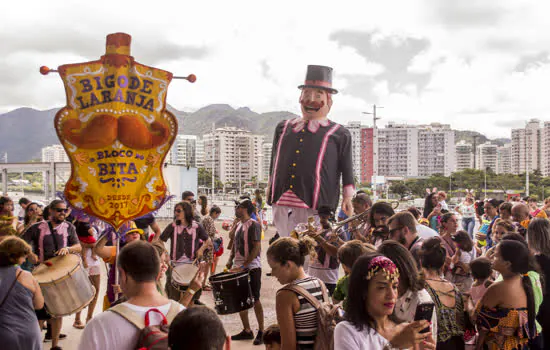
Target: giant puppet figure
{"x":116,"y":132}
{"x":310,"y":156}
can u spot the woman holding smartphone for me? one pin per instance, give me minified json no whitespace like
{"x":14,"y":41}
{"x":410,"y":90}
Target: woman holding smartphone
{"x":370,"y":323}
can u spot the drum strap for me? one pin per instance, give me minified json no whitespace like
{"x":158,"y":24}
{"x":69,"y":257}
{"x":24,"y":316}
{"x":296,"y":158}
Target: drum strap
{"x":53,"y":236}
{"x":132,"y":317}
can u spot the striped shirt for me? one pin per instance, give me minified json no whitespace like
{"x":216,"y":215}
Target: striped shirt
{"x":305,"y":320}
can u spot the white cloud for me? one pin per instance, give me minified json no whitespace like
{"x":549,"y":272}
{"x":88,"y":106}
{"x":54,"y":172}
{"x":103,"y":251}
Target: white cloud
{"x":254,"y":53}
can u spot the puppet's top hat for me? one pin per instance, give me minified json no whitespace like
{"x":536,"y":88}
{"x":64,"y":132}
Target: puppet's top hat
{"x":319,"y":77}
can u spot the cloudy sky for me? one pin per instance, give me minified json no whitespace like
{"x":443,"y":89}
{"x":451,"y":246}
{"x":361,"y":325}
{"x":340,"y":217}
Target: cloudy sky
{"x":480,"y":65}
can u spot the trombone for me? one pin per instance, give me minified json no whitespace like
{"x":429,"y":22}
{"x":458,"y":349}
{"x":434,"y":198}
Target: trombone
{"x":362,"y":217}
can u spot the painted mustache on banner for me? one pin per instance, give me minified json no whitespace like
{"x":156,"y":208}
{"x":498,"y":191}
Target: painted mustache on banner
{"x":105,"y":129}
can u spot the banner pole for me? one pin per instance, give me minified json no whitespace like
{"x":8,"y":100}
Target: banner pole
{"x":116,"y":263}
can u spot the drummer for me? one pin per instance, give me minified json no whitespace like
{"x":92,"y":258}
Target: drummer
{"x":51,"y":238}
{"x":188,"y":243}
{"x":129,"y":233}
{"x":245,"y":255}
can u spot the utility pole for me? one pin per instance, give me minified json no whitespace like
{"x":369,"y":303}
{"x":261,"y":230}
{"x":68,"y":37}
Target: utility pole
{"x":374,"y":146}
{"x":485,"y":182}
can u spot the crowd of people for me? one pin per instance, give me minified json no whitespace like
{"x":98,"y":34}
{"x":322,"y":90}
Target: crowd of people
{"x":473,"y":277}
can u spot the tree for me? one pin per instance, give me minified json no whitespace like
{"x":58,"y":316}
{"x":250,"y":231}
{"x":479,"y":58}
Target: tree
{"x":399,"y":187}
{"x":205,"y":178}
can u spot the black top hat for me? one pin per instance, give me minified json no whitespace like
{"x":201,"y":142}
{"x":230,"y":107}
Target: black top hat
{"x":319,"y":77}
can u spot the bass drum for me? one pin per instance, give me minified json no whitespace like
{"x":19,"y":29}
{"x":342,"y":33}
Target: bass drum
{"x":232,"y":292}
{"x":65,"y":285}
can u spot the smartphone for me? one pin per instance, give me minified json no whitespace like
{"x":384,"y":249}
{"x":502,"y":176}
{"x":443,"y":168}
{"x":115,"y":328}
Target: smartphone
{"x":424,"y":312}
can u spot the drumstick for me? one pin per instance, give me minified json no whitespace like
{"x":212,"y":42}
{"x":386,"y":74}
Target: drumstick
{"x":44,"y":70}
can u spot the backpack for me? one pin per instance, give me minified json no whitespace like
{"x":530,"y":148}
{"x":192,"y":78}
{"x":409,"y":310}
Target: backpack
{"x":328,"y":315}
{"x":150,"y":337}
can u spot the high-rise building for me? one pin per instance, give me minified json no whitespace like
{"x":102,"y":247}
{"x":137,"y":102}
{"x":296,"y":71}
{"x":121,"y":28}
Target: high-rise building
{"x":355,"y":131}
{"x":416,"y":150}
{"x":183,"y":151}
{"x":266,"y":151}
{"x":54,"y":153}
{"x":545,"y":143}
{"x":436,"y":149}
{"x":367,"y":154}
{"x":199,"y":153}
{"x":464,"y":155}
{"x":238,"y":155}
{"x":486,"y":157}
{"x":504,"y":159}
{"x":398,"y":150}
{"x":526,"y":148}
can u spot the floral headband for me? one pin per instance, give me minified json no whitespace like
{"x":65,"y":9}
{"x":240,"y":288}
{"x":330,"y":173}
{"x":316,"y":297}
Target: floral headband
{"x":384,"y":264}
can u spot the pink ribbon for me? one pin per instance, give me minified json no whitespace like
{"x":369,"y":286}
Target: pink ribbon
{"x":45,"y":231}
{"x":244,"y":226}
{"x":312,"y":125}
{"x":178,"y":230}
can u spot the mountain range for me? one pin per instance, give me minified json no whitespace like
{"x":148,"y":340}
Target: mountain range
{"x":24,"y":131}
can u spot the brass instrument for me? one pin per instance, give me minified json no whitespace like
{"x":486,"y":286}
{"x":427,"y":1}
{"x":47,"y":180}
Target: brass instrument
{"x":361,"y":217}
{"x":301,"y":229}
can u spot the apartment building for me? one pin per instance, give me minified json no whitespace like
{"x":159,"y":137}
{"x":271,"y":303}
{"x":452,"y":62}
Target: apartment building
{"x":184,"y":151}
{"x":199,"y":153}
{"x":237,"y":154}
{"x":464,"y":153}
{"x":486,"y":157}
{"x":436,"y":149}
{"x":398,"y":150}
{"x":367,"y":155}
{"x":266,"y":151}
{"x":504,"y":159}
{"x":527,"y":147}
{"x":54,"y":153}
{"x":355,"y":131}
{"x":545,"y":153}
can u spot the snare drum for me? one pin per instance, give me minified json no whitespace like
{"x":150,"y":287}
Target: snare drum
{"x":182,"y":275}
{"x":232,"y":292}
{"x":65,"y":285}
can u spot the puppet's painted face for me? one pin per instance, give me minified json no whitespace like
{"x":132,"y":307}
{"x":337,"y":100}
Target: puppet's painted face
{"x":315,"y":103}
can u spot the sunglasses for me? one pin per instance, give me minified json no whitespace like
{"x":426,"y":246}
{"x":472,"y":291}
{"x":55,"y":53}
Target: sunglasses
{"x":59,"y":210}
{"x":178,"y":211}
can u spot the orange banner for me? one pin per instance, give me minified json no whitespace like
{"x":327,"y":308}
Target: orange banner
{"x":116,"y":132}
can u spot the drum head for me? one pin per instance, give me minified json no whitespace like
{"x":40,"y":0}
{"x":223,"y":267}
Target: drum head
{"x":60,"y":266}
{"x":224,"y":276}
{"x":183,"y":274}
